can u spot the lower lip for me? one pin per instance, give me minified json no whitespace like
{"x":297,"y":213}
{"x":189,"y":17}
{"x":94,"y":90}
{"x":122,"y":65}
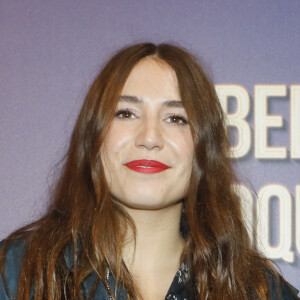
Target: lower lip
{"x":147,"y":170}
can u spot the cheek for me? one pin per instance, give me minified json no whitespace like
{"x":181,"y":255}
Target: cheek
{"x":114,"y":149}
{"x":114,"y":142}
{"x":184,"y":147}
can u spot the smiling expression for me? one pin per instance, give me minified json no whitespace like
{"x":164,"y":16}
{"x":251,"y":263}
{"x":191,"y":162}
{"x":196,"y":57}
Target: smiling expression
{"x":148,"y":151}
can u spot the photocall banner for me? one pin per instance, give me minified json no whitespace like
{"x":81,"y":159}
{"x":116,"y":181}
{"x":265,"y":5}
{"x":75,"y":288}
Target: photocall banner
{"x":52,"y":50}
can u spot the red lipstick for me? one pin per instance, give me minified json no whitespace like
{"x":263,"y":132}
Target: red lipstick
{"x":146,"y":166}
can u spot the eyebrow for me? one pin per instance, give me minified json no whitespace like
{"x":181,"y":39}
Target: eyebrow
{"x":137,"y":100}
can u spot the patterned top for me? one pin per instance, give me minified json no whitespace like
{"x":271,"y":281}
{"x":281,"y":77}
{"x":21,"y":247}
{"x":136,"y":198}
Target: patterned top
{"x":177,"y":290}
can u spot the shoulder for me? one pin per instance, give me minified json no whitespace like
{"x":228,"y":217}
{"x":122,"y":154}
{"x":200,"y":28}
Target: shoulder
{"x":11,"y":265}
{"x":283,"y":288}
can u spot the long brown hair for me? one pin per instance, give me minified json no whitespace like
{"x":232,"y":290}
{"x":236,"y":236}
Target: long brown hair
{"x":83,"y":219}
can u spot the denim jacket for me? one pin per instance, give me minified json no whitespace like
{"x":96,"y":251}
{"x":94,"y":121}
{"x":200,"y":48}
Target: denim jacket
{"x":177,"y":291}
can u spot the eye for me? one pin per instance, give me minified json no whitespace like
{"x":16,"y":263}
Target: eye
{"x":125,"y":114}
{"x":177,"y":120}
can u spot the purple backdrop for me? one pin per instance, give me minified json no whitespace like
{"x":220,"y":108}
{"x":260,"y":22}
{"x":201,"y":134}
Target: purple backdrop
{"x":51,"y":51}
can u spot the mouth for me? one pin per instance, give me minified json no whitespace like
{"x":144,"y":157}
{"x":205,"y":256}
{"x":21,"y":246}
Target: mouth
{"x":146,"y":166}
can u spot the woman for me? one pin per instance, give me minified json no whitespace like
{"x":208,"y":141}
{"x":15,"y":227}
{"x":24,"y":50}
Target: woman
{"x":144,"y":207}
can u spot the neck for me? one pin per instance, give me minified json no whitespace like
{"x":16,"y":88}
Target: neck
{"x":158,"y":240}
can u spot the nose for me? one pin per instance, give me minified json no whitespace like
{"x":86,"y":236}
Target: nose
{"x":150,"y":135}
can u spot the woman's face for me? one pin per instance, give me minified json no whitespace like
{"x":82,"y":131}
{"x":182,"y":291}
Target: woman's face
{"x":148,"y":152}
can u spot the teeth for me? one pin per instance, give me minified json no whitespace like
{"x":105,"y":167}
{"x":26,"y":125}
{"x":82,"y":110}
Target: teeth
{"x":144,"y":167}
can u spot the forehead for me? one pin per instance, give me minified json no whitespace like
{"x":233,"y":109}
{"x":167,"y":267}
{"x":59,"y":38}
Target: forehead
{"x":152,"y":78}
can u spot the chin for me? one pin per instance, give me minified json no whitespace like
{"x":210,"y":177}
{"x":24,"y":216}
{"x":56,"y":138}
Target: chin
{"x":145,"y":203}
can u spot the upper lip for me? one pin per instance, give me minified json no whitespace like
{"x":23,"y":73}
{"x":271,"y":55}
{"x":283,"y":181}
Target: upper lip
{"x":147,"y":163}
